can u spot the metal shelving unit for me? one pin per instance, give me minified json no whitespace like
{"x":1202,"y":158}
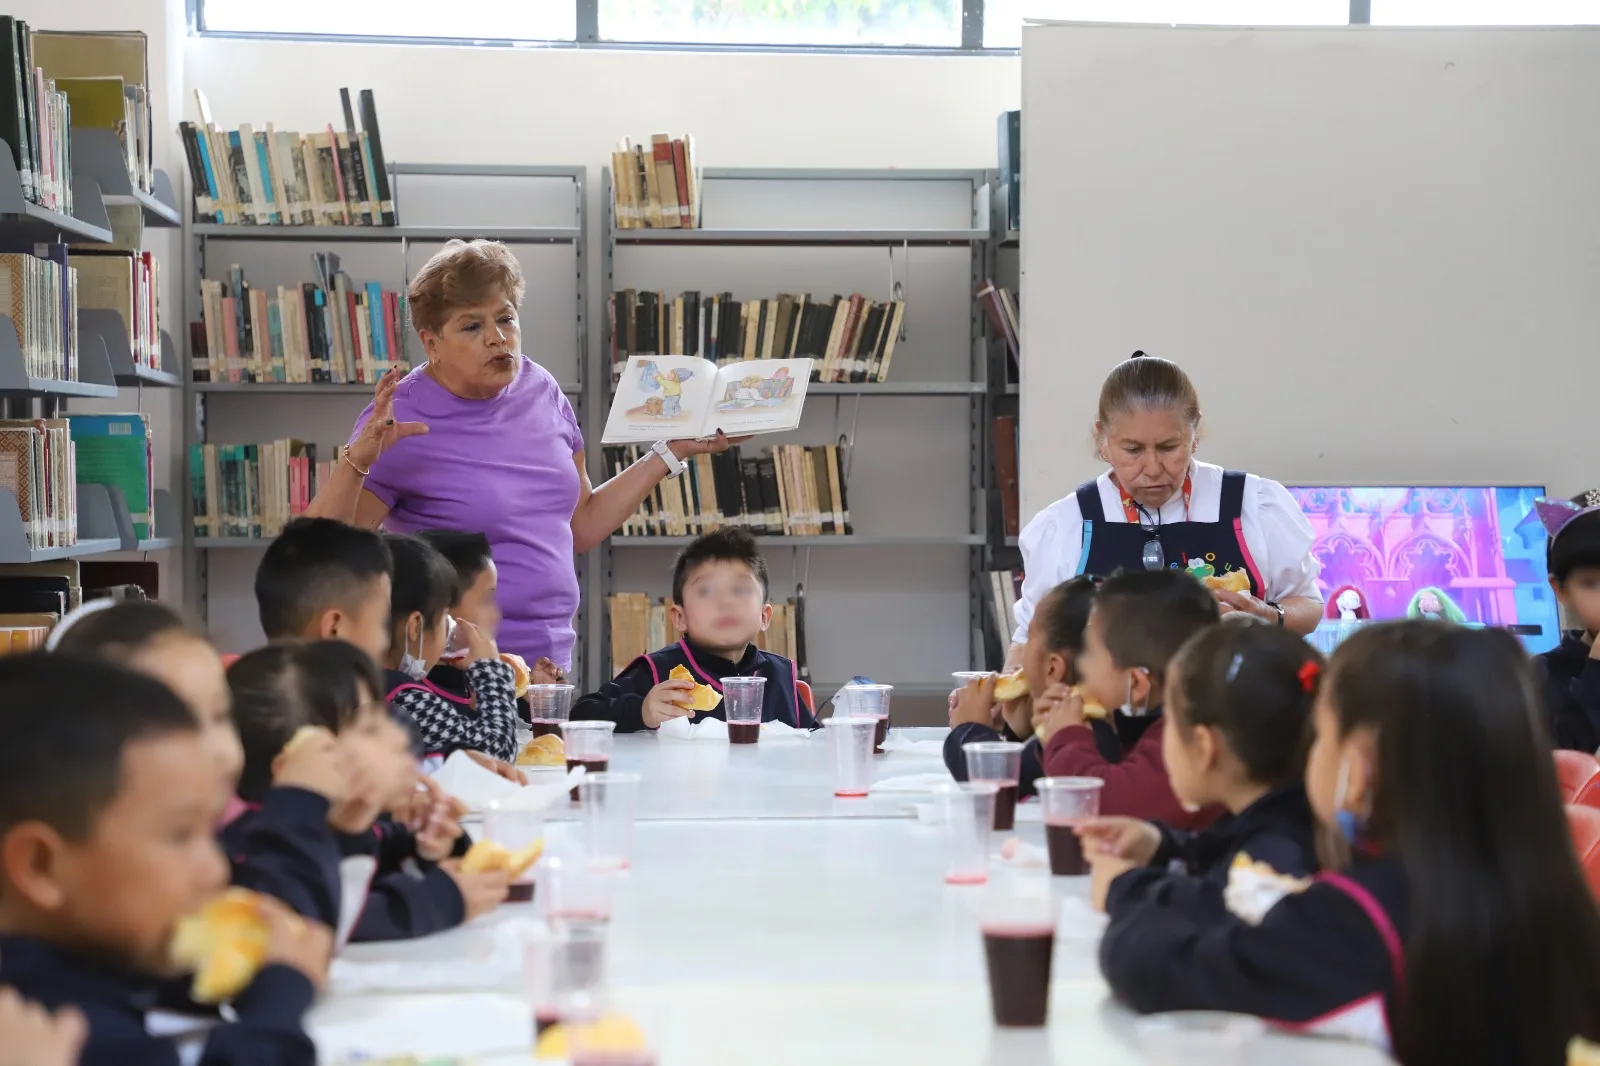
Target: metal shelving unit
{"x":199,"y":395}
{"x":974,"y":388}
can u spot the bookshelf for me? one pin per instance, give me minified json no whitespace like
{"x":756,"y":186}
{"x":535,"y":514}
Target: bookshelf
{"x":907,"y":582}
{"x":1005,"y":269}
{"x":539,"y":211}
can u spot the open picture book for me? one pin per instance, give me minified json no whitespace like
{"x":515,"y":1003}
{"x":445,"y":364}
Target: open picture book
{"x":679,"y":397}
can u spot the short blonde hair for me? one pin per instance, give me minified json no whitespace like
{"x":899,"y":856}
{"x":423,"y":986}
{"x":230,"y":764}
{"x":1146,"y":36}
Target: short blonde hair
{"x":463,"y":274}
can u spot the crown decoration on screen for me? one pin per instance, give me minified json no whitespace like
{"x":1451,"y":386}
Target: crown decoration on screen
{"x":1556,"y":515}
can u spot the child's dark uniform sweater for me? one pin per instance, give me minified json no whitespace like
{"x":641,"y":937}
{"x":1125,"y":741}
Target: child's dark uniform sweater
{"x":622,"y":699}
{"x":1124,"y":751}
{"x":409,"y":896}
{"x":1572,"y":694}
{"x":268,"y":1031}
{"x":1326,"y":959}
{"x":1278,"y":829}
{"x":285,"y":848}
{"x":955,"y":760}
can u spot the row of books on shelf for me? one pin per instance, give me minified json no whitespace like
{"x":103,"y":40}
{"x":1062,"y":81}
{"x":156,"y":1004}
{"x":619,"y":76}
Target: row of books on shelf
{"x":1005,"y":450}
{"x":1005,"y":318}
{"x":331,"y":331}
{"x":129,"y":284}
{"x":1005,"y":588}
{"x":252,"y":490}
{"x":656,"y":186}
{"x":40,"y":295}
{"x":42,"y":462}
{"x":851,"y":338}
{"x":34,"y":596}
{"x":35,"y":120}
{"x":272,"y":177}
{"x":784,"y":490}
{"x":640,"y":624}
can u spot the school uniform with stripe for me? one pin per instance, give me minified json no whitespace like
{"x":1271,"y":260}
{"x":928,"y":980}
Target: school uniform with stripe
{"x":621,"y":700}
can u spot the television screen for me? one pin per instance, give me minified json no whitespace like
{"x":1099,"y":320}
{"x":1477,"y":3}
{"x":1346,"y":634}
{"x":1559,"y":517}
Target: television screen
{"x":1473,"y":555}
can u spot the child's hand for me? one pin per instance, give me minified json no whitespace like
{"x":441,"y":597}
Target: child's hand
{"x":479,"y":644}
{"x":33,"y":1036}
{"x":1018,"y":715}
{"x":437,"y":835}
{"x":1056,"y":709}
{"x":666,"y":701}
{"x":296,"y":942}
{"x":546,"y":672}
{"x":364,"y":795}
{"x":1104,"y":869}
{"x":314,"y":765}
{"x":480,"y":892}
{"x":975,"y":702}
{"x":499,"y":766}
{"x":1122,"y":838}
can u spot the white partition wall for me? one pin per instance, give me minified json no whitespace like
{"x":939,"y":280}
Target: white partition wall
{"x":1377,"y":251}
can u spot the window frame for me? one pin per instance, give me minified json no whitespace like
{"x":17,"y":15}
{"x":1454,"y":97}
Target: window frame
{"x":588,"y":36}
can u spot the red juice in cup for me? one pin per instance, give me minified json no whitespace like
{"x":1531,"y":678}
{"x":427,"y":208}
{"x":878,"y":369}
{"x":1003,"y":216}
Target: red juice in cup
{"x":1068,"y":802}
{"x":867,"y":701}
{"x":999,"y":761}
{"x":594,"y":766}
{"x":1019,"y":972}
{"x":548,"y":707}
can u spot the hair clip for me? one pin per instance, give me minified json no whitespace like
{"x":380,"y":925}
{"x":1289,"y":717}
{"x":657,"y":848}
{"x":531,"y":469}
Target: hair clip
{"x":1233,"y":667}
{"x":1308,"y":674}
{"x":1555,"y":515}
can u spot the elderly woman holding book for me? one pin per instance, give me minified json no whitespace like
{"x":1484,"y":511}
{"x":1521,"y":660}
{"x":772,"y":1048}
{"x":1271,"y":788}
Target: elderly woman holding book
{"x":480,"y":438}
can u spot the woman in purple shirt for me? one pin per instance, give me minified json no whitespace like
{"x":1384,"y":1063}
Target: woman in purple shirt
{"x":480,"y":438}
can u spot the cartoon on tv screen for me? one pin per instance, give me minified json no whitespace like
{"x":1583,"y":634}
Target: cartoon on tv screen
{"x":1473,"y":556}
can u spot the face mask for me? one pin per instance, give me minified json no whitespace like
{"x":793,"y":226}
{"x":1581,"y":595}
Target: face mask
{"x":1349,"y":824}
{"x":412,"y":665}
{"x":1129,"y":709}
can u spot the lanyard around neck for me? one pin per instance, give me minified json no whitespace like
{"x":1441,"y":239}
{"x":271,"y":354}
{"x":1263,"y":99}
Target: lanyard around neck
{"x":1131,"y":509}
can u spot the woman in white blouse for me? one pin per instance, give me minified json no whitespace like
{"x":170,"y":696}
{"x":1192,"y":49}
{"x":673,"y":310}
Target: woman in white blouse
{"x":1158,"y":507}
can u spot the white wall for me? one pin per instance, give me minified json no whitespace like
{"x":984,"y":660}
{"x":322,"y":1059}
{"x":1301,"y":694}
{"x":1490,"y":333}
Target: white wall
{"x":1373,"y":249}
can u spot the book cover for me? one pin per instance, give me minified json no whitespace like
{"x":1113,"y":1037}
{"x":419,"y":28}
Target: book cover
{"x":114,"y":450}
{"x":679,"y":396}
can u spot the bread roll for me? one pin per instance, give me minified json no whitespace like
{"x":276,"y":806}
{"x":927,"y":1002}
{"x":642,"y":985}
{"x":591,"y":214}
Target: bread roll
{"x":543,"y":751}
{"x":225,"y":943}
{"x":703,"y":698}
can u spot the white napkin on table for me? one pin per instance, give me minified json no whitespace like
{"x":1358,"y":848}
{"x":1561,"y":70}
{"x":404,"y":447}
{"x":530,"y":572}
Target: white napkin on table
{"x":896,"y":742}
{"x":911,"y":783}
{"x":683,"y":729}
{"x":490,"y":956}
{"x":478,"y":787}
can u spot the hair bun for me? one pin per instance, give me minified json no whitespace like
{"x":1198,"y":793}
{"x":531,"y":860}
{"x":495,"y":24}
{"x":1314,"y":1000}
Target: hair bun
{"x":1138,"y":355}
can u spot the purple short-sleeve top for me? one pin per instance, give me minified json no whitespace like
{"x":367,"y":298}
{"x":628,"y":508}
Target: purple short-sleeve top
{"x":502,"y":467}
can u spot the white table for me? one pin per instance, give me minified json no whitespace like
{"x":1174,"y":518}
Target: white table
{"x":770,"y":936}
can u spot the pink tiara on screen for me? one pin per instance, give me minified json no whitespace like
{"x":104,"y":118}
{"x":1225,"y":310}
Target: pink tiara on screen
{"x":1554,"y":515}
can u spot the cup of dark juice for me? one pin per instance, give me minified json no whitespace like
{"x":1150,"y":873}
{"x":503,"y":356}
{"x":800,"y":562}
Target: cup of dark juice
{"x":514,"y":830}
{"x":867,"y":701}
{"x":741,"y":703}
{"x":588,"y":745}
{"x":1068,"y":802}
{"x":999,"y":761}
{"x":548,"y":707}
{"x":563,"y":966}
{"x":1019,"y":934}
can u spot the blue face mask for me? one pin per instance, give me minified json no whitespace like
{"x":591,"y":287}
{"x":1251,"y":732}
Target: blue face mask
{"x":1350,"y":825}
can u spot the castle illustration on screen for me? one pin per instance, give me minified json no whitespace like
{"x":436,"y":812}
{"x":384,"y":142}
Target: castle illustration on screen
{"x":1468,"y":555}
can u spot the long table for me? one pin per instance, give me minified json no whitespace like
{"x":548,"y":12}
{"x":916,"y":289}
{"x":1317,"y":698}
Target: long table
{"x":763,"y":921}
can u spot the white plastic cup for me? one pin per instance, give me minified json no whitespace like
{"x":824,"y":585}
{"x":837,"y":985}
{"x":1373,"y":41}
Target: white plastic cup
{"x":588,"y":745}
{"x":514,"y":830}
{"x":867,"y":701}
{"x":609,"y":801}
{"x":574,"y":891}
{"x":563,"y":969}
{"x":741,"y":704}
{"x":967,"y":808}
{"x":1067,"y":803}
{"x":1018,"y":917}
{"x":850,"y":741}
{"x":549,"y":707}
{"x":999,"y":761}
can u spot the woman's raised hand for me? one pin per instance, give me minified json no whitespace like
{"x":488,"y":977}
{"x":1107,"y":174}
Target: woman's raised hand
{"x":381,"y":430}
{"x":683,"y":449}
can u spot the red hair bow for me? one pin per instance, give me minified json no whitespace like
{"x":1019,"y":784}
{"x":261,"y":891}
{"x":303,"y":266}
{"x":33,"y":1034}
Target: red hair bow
{"x":1308,"y":675}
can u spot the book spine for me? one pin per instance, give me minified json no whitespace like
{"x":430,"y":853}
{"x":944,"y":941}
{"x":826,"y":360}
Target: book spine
{"x":380,"y":167}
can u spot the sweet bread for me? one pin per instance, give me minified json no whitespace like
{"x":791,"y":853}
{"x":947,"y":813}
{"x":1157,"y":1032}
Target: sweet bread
{"x":1254,"y":888}
{"x":302,"y":736}
{"x":486,"y":855}
{"x":1233,"y":581}
{"x":225,"y":943}
{"x":610,"y":1035}
{"x":519,"y":669}
{"x":1091,"y":709}
{"x":1581,"y":1052}
{"x":1008,"y":687}
{"x":703,"y":698}
{"x":543,"y":751}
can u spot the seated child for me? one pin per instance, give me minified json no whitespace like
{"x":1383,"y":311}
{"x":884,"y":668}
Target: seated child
{"x":285,"y":847}
{"x":282,"y":687}
{"x":1139,"y":621}
{"x":105,"y":843}
{"x":321,"y":579}
{"x":1571,"y":671}
{"x":1050,"y":657}
{"x":419,"y":619}
{"x":1457,"y":927}
{"x":719,"y":604}
{"x":1238,"y":712}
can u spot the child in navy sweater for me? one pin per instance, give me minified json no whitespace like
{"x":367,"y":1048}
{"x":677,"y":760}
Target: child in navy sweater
{"x":105,"y":843}
{"x":413,"y":891}
{"x":1139,"y":621}
{"x":1238,"y":710}
{"x":1571,"y":670}
{"x":1457,"y":928}
{"x":1050,"y":658}
{"x":720,"y":605}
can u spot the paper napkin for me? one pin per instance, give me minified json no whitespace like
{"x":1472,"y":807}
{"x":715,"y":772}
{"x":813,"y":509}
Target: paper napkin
{"x":477,"y":787}
{"x":898,"y":743}
{"x":911,"y":783}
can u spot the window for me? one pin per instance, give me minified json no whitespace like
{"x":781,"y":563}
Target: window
{"x":862,"y":23}
{"x":1485,"y":12}
{"x":1002,"y":19}
{"x":528,"y":20}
